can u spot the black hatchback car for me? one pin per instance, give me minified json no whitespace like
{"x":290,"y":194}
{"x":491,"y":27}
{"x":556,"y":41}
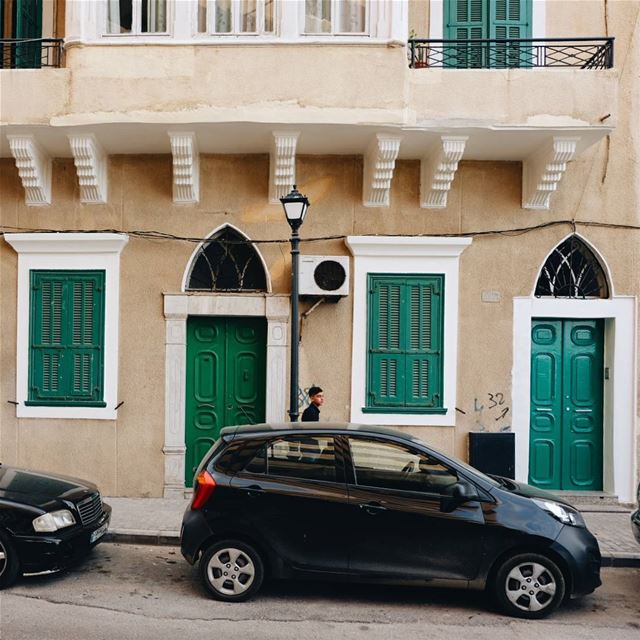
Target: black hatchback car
{"x":46,"y":522}
{"x":369,"y":503}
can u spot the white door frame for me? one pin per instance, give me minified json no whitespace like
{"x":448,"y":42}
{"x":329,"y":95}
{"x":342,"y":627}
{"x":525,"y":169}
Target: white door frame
{"x":619,"y":446}
{"x":177,"y":308}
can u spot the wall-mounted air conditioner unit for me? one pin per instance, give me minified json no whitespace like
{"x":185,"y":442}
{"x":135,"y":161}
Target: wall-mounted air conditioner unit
{"x":324,"y":276}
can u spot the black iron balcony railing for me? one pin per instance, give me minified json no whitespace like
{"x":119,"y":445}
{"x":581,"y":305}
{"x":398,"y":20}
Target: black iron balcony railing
{"x":577,"y":53}
{"x":31,"y":53}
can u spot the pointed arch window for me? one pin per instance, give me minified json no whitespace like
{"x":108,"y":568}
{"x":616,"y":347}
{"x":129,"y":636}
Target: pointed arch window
{"x":572,"y":271}
{"x":227,"y":261}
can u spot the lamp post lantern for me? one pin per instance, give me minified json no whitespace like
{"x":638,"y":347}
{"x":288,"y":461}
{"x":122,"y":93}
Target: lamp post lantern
{"x":295,"y":208}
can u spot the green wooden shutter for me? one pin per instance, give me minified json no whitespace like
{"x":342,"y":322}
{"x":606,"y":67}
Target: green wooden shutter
{"x":424,"y":349}
{"x":28,"y":26}
{"x":510,"y":20}
{"x":67,"y":338}
{"x":386,"y":357}
{"x":465,"y":20}
{"x":405,"y":343}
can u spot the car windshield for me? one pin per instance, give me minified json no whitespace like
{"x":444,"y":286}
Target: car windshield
{"x":464,"y":465}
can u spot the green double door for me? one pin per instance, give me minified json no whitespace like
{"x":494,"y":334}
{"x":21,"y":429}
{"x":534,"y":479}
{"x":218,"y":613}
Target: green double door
{"x":565,"y":448}
{"x":226,"y":380}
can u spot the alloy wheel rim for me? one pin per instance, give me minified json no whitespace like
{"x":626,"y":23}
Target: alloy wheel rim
{"x":530,"y":586}
{"x":230,"y":571}
{"x":3,"y":558}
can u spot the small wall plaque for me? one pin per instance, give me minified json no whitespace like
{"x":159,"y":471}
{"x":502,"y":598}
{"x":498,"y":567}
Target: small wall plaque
{"x":491,"y":296}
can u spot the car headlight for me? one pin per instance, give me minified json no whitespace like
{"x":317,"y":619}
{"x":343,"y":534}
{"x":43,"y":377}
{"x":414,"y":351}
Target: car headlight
{"x":561,"y":512}
{"x":53,"y":521}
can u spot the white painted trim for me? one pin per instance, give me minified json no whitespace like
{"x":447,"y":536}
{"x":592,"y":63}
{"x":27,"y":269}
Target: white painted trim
{"x":90,"y":160}
{"x":79,"y":251}
{"x":34,"y":168}
{"x":177,"y":308}
{"x":436,"y":20}
{"x":186,"y":167}
{"x":400,"y":255}
{"x":194,"y":255}
{"x":438,"y":169}
{"x":538,"y":19}
{"x":282,"y":164}
{"x":543,"y":170}
{"x":619,"y":414}
{"x":378,"y":167}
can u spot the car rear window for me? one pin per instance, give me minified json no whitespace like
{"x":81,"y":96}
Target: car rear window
{"x":304,"y":457}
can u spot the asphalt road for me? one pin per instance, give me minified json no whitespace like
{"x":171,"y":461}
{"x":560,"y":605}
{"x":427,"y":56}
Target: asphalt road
{"x":143,"y":592}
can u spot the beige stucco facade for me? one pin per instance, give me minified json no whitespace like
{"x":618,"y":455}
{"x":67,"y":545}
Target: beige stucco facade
{"x":338,"y":96}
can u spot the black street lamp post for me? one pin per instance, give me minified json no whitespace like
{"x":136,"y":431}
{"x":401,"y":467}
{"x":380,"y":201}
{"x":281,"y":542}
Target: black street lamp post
{"x":295,"y":208}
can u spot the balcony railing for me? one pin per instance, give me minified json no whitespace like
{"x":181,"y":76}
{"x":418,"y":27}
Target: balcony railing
{"x":31,"y":53}
{"x":577,"y":53}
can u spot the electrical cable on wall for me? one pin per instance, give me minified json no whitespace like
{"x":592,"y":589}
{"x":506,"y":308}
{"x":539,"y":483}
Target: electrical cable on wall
{"x":161,"y":235}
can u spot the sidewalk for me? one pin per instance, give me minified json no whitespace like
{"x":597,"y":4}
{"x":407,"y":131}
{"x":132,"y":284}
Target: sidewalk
{"x":157,"y":521}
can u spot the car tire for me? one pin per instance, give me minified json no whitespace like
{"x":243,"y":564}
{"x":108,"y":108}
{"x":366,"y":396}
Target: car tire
{"x":232,"y":570}
{"x":529,"y":585}
{"x":9,"y":565}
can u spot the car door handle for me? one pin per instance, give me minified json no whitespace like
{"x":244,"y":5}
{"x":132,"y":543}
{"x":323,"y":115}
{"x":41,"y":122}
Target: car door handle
{"x":372,"y":508}
{"x":255,"y":490}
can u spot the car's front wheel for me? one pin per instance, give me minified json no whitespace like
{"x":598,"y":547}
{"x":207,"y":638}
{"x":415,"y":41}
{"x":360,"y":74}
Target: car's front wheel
{"x":529,"y":586}
{"x":232,"y":570}
{"x":9,"y":564}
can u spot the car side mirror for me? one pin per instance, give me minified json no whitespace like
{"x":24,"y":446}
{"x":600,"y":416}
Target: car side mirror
{"x":458,"y":494}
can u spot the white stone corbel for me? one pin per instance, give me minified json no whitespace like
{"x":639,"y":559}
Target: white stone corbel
{"x":186,"y":167}
{"x":282,"y":164}
{"x":379,"y":164}
{"x":91,"y":167}
{"x":34,"y":169}
{"x":438,"y":170}
{"x":543,"y":170}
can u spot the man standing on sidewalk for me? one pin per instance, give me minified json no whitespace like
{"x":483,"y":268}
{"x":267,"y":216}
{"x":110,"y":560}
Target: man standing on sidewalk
{"x":316,"y":400}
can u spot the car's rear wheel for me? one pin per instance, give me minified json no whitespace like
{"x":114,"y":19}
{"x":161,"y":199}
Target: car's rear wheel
{"x":232,"y":570}
{"x":529,"y":585}
{"x":9,"y":564}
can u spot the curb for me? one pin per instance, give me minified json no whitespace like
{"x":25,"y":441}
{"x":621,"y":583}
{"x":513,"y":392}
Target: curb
{"x":172,"y":539}
{"x":132,"y":536}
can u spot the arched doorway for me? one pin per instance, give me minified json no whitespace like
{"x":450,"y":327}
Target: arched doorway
{"x":226,"y":351}
{"x":572,"y":376}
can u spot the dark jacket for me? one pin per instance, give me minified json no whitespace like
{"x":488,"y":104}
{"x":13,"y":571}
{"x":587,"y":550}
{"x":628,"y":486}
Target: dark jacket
{"x":311,"y":414}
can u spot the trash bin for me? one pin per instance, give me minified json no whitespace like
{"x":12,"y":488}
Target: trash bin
{"x":493,"y":453}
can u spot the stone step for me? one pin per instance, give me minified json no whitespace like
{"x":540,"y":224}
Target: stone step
{"x":592,"y":500}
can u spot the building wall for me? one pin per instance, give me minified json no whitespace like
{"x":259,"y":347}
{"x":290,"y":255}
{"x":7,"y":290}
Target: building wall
{"x":372,"y":83}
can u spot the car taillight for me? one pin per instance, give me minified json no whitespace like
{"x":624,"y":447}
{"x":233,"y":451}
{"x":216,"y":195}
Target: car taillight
{"x":205,"y":484}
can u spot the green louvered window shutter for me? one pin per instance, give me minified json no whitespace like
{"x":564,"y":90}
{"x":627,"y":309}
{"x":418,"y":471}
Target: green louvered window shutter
{"x":511,"y":20}
{"x":66,"y":358}
{"x":465,"y":20}
{"x":487,"y":19}
{"x":405,"y":344}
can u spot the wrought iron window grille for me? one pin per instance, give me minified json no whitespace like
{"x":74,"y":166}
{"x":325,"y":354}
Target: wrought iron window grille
{"x":526,"y":53}
{"x":31,"y":53}
{"x":227,"y":262}
{"x":572,"y":271}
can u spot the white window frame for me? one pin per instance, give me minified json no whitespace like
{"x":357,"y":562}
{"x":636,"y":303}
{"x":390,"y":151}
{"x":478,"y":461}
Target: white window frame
{"x":136,"y":22}
{"x":78,"y":252}
{"x":405,"y":255}
{"x":236,"y":21}
{"x":334,"y":10}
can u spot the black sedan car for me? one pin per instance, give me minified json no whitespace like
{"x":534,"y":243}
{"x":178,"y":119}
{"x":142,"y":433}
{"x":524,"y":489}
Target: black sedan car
{"x":367,"y":503}
{"x":46,"y":522}
{"x":635,"y":518}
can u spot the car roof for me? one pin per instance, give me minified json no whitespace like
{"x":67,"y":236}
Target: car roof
{"x":324,"y":427}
